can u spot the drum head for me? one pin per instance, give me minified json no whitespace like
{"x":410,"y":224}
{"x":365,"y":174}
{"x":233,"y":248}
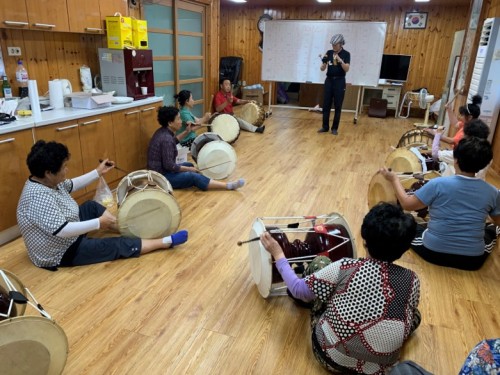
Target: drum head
{"x":201,"y":141}
{"x":139,"y":179}
{"x":250,"y":112}
{"x":403,"y":160}
{"x":408,"y":182}
{"x":18,"y":309}
{"x":260,"y":260}
{"x":32,"y":345}
{"x":416,"y":138}
{"x":380,"y":190}
{"x":149,"y":214}
{"x":217,"y":160}
{"x":226,"y":126}
{"x":338,"y":219}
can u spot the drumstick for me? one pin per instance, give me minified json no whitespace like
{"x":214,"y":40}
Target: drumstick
{"x":239,"y":243}
{"x":108,"y":164}
{"x":216,"y":165}
{"x":412,"y":173}
{"x":454,"y":96}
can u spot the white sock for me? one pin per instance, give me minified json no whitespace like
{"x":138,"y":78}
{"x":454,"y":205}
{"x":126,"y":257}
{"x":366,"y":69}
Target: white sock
{"x":167,"y":240}
{"x":235,"y":184}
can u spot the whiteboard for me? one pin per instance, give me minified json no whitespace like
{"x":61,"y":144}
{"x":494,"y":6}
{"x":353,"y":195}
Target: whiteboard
{"x":292,"y":48}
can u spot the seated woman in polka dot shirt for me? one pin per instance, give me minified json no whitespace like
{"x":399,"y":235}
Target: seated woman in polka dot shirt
{"x":54,"y":227}
{"x":364,"y":309}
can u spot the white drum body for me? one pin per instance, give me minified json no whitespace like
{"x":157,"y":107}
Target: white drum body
{"x":252,"y":113}
{"x":217,"y":160}
{"x":146,"y":206}
{"x":28,"y":344}
{"x":201,"y":141}
{"x":226,"y":126}
{"x":327,"y":235}
{"x":32,"y":342}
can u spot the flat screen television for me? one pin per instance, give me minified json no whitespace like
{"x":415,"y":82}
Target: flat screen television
{"x":395,"y":68}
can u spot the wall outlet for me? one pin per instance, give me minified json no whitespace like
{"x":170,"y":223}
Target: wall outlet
{"x":14,"y":51}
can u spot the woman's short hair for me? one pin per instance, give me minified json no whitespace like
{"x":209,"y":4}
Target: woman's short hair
{"x":337,"y":38}
{"x":476,"y":128}
{"x":387,"y":231}
{"x":472,"y":154}
{"x":167,"y":115}
{"x":46,"y":157}
{"x":182,"y":97}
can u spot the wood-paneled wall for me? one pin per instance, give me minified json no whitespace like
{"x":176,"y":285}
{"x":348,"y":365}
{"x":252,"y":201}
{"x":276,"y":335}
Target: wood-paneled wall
{"x":430,"y":48}
{"x":50,"y":55}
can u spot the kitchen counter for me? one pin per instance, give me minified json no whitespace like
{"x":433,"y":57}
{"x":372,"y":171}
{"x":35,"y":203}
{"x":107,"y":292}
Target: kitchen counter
{"x":68,"y":113}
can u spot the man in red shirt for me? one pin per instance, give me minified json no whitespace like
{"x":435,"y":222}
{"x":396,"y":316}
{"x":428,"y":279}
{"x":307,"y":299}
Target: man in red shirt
{"x":224,"y":101}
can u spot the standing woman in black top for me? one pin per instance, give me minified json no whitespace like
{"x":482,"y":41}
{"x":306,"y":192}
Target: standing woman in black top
{"x":336,"y":61}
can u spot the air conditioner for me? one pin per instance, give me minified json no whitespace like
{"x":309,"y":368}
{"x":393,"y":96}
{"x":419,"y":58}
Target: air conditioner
{"x":486,"y":74}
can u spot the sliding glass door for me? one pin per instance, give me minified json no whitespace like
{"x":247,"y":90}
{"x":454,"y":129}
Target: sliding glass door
{"x":176,"y":32}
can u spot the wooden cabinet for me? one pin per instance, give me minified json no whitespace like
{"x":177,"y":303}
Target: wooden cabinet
{"x":149,"y":124}
{"x":60,"y":15}
{"x":14,"y":14}
{"x":48,"y":15}
{"x":14,"y":147}
{"x":127,"y":135}
{"x":110,"y":7}
{"x":85,"y":16}
{"x":66,"y":133}
{"x":96,"y":142}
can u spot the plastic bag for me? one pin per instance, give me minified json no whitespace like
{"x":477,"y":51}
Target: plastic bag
{"x":104,"y":196}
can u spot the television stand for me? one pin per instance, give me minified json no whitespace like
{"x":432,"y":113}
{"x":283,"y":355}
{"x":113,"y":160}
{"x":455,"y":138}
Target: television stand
{"x":388,"y":91}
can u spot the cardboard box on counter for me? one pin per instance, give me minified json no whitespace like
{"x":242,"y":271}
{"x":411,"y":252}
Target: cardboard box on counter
{"x":140,"y":34}
{"x":119,"y":32}
{"x":88,"y":101}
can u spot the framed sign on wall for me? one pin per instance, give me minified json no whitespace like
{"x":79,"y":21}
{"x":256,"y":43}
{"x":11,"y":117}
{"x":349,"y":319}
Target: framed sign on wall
{"x":415,"y":20}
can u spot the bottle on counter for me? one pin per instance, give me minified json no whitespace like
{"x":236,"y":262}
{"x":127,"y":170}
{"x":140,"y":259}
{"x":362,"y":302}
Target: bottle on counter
{"x":6,"y":89}
{"x":22,"y":79}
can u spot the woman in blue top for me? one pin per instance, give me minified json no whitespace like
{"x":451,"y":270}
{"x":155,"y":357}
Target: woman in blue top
{"x":456,"y":234}
{"x":186,"y":103}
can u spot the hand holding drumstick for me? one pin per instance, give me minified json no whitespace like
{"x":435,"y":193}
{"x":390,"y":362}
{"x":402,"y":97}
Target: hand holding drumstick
{"x":272,"y":246}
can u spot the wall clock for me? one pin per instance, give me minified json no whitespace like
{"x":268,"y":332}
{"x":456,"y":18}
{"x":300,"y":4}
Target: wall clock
{"x":260,"y":25}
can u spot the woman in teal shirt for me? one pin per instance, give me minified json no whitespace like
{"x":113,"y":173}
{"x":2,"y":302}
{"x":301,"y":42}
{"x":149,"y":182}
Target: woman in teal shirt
{"x":186,"y":103}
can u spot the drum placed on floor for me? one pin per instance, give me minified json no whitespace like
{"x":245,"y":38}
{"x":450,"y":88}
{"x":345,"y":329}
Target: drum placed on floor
{"x":216,"y":158}
{"x":302,"y":238}
{"x":252,"y":113}
{"x":226,"y":126}
{"x":28,"y":344}
{"x":381,"y":190}
{"x":146,"y":207}
{"x":416,"y":138}
{"x":411,"y":160}
{"x":201,"y":140}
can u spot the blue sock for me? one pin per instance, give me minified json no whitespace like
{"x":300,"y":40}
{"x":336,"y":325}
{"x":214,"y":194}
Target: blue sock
{"x":179,"y":238}
{"x":235,"y":184}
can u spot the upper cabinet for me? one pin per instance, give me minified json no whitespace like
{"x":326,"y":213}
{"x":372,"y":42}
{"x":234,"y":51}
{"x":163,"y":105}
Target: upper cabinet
{"x":48,"y":15}
{"x":110,"y":7}
{"x":84,"y":16}
{"x":14,"y":14}
{"x":75,"y":16}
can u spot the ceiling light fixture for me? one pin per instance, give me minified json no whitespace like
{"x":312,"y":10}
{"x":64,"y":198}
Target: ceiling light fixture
{"x":324,"y":1}
{"x":422,"y":1}
{"x":239,"y":1}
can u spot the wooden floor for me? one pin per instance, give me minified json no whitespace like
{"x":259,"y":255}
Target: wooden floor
{"x":196,"y":310}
